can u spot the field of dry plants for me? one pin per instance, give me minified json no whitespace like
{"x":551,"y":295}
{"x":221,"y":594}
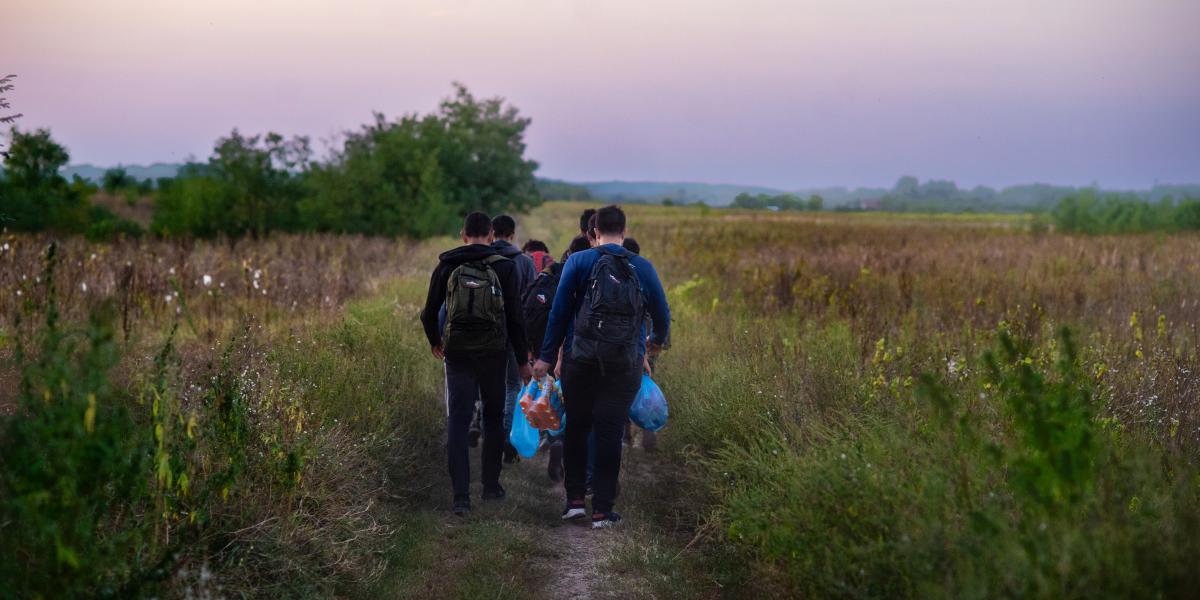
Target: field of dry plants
{"x":862,"y":406}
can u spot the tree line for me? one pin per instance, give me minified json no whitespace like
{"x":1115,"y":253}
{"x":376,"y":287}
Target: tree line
{"x":785,"y":201}
{"x":1089,"y":212}
{"x":414,"y":176}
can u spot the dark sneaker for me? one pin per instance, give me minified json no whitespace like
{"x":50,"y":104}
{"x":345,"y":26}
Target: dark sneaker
{"x":496,"y":493}
{"x":601,"y":520}
{"x":461,"y":507}
{"x":575,"y":509}
{"x":554,"y":466}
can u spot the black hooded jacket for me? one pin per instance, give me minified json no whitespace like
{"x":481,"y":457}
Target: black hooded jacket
{"x":506,"y":270}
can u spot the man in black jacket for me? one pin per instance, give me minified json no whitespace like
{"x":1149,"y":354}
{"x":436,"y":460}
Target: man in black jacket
{"x":476,"y":374}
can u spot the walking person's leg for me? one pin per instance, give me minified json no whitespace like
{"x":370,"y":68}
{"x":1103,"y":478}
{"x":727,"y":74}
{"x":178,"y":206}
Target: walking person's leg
{"x":609,"y":415}
{"x":512,"y":389}
{"x":578,"y":397}
{"x":490,"y":371}
{"x":461,"y":391}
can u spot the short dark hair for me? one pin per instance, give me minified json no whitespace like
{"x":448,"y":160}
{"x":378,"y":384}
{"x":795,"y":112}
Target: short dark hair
{"x":476,"y":225}
{"x":579,"y":244}
{"x":535,"y":246}
{"x":504,"y":226}
{"x":584,"y":219}
{"x":610,"y":220}
{"x":591,"y":227}
{"x":631,"y":245}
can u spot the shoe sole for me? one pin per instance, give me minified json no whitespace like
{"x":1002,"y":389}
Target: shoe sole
{"x":574,"y":513}
{"x":604,"y":524}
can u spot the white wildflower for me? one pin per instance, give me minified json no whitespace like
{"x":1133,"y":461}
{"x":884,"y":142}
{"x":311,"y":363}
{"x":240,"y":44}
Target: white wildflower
{"x":83,"y":286}
{"x":207,"y":279}
{"x":171,"y":270}
{"x":168,"y":298}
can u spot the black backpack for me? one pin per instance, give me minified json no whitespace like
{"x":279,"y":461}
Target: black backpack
{"x":475,"y":308}
{"x":608,"y":326}
{"x":536,"y":306}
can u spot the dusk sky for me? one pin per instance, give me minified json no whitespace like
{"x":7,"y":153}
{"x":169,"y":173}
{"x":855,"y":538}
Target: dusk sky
{"x":785,"y":94}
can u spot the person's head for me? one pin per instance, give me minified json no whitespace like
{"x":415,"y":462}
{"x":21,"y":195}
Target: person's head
{"x":591,"y":230}
{"x":631,"y":245}
{"x":532,"y":246}
{"x":610,"y":224}
{"x":504,"y":227}
{"x":477,"y":229}
{"x":579,"y":244}
{"x":585,"y":219}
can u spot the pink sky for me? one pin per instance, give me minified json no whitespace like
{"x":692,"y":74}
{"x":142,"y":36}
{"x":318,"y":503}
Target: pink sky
{"x":787,"y":94}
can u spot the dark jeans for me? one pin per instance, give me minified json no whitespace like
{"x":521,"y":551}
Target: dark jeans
{"x":468,"y":379}
{"x":596,"y":402}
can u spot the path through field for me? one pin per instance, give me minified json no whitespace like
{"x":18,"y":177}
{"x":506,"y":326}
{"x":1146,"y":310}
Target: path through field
{"x":520,"y":548}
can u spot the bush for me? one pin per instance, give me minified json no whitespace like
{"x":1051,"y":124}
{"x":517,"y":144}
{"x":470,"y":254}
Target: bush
{"x":73,"y":468}
{"x":1045,"y":502}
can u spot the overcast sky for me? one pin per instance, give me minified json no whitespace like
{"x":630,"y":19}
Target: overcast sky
{"x":787,"y":94}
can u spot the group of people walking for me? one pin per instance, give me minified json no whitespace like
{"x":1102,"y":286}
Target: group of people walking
{"x":498,"y":316}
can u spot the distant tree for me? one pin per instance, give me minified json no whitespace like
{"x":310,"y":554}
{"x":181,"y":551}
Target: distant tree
{"x":815,"y":202}
{"x":6,"y":85}
{"x":419,"y":175}
{"x":34,"y":196}
{"x":116,"y":180}
{"x":249,"y":186}
{"x":906,"y":187}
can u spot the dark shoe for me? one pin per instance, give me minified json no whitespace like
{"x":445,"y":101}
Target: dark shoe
{"x":575,"y":509}
{"x":510,"y":454}
{"x":496,"y":493}
{"x":601,"y":520}
{"x":554,"y":466}
{"x":462,"y":506}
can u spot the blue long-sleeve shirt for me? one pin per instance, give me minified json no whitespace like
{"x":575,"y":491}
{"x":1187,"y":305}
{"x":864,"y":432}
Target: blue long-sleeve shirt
{"x":571,"y":287}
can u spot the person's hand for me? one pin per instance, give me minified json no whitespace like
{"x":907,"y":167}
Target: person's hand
{"x":438,"y":352}
{"x":540,"y":368}
{"x":653,"y":349}
{"x":646,"y":366}
{"x":526,"y":371}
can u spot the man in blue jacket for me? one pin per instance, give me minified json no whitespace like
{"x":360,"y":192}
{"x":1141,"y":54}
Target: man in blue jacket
{"x":598,"y":318}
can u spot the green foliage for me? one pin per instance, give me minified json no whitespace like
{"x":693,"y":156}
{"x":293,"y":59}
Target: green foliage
{"x":416,"y":177}
{"x":248,"y":187}
{"x":1086,"y":212}
{"x":34,"y":197}
{"x":73,"y":464}
{"x":553,"y":189}
{"x":942,"y":500}
{"x":786,"y":201}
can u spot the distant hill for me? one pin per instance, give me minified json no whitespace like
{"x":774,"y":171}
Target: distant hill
{"x":95,"y":174}
{"x":716,"y":194}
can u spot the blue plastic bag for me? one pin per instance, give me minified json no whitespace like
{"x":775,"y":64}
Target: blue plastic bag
{"x":523,"y":436}
{"x":649,"y":409}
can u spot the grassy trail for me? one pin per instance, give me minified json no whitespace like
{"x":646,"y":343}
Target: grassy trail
{"x":520,"y":548}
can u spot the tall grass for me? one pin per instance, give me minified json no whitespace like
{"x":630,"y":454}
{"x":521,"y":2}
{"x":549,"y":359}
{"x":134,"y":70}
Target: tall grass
{"x":877,"y":409}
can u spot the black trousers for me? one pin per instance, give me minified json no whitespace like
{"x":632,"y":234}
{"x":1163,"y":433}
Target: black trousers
{"x":469,"y":378}
{"x":596,"y":401}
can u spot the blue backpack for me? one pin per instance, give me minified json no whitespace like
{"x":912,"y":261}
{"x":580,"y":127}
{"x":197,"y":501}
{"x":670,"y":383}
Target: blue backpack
{"x":608,"y":326}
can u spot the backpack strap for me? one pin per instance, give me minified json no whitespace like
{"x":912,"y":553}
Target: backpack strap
{"x":493,"y":259}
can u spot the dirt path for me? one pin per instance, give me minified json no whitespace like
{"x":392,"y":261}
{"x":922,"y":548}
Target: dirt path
{"x":521,"y":548}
